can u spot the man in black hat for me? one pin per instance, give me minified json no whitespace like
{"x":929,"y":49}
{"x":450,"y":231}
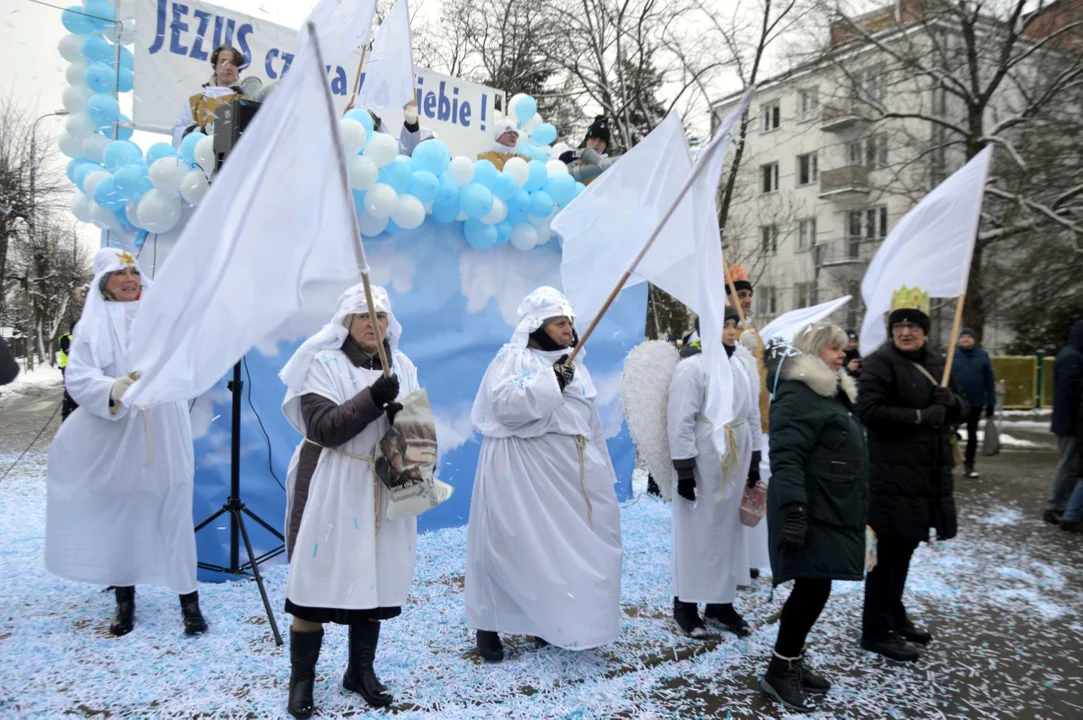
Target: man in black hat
{"x":597,"y":138}
{"x":593,"y":157}
{"x":852,"y":362}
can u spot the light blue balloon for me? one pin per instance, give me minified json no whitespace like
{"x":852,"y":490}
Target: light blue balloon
{"x":76,"y":21}
{"x":485,"y":173}
{"x":124,"y":133}
{"x":127,"y":59}
{"x":100,"y":77}
{"x":544,"y":133}
{"x":125,"y":80}
{"x":392,"y":228}
{"x":74,"y":164}
{"x":537,"y":178}
{"x":83,"y":171}
{"x":121,"y":152}
{"x":188,"y":146}
{"x":98,"y":49}
{"x":518,"y":208}
{"x":541,"y":204}
{"x":397,"y":174}
{"x":526,"y":108}
{"x":475,"y":200}
{"x":424,"y":186}
{"x":503,"y":232}
{"x":433,"y":156}
{"x":131,"y":181}
{"x":479,"y":235}
{"x":448,"y":192}
{"x":363,"y":117}
{"x":106,"y":195}
{"x":561,"y":188}
{"x":579,"y":188}
{"x":121,"y":215}
{"x":159,"y":150}
{"x":505,"y":186}
{"x":103,"y":109}
{"x":100,"y":14}
{"x":445,"y":212}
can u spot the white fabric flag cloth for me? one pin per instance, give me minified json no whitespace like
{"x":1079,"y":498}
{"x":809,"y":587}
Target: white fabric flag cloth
{"x":930,"y":248}
{"x":341,"y":25}
{"x":786,"y":325}
{"x":610,"y":221}
{"x":278,"y":220}
{"x":389,"y":75}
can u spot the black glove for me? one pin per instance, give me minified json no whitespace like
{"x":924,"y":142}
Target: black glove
{"x":754,"y":469}
{"x":393,"y":410}
{"x":794,"y":529}
{"x":989,"y":410}
{"x":565,"y":373}
{"x":686,"y":479}
{"x":385,"y":389}
{"x":944,"y":397}
{"x":934,"y":415}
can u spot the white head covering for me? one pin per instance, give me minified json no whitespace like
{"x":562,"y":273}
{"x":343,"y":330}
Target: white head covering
{"x":334,"y":333}
{"x":537,"y":307}
{"x":104,"y":324}
{"x":499,"y":128}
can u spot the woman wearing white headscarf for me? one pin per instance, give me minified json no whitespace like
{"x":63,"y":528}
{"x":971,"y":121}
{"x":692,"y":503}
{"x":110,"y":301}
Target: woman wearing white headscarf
{"x":348,"y":564}
{"x":119,"y":508}
{"x":543,"y":553}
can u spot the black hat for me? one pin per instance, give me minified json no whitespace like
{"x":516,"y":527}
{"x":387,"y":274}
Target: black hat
{"x":731,"y":314}
{"x":851,"y":334}
{"x":599,"y":129}
{"x":908,"y":315}
{"x":739,"y":276}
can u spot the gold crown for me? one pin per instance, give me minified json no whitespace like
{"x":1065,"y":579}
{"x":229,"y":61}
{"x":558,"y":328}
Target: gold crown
{"x":914,"y":298}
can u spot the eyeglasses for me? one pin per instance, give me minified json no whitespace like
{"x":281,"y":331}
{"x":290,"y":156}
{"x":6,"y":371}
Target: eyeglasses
{"x":906,"y":326}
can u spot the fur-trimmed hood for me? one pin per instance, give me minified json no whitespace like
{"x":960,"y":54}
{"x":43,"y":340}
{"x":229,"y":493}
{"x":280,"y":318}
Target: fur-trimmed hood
{"x":813,"y":372}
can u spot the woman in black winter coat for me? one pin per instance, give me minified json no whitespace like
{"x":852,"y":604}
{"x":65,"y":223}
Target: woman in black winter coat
{"x":817,"y":500}
{"x":908,"y":417}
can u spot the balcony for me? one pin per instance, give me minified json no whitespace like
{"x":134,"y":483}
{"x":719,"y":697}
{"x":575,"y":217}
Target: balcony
{"x":856,"y":251}
{"x":845,"y":183}
{"x":835,"y":118}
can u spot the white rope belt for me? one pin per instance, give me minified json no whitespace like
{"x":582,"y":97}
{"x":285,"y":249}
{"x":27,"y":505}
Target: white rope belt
{"x":727,"y":462}
{"x":371,"y":461}
{"x":581,"y":446}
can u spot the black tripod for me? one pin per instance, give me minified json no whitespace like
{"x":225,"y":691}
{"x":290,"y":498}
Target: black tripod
{"x":236,"y":509}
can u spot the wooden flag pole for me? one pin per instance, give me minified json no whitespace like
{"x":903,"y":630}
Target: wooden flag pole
{"x":954,"y":339}
{"x":357,"y":80}
{"x":376,"y":325}
{"x":609,"y":300}
{"x":733,"y":294}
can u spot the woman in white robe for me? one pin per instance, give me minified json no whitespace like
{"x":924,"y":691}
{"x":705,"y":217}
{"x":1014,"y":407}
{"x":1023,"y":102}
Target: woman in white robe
{"x":348,"y":564}
{"x":709,"y":558}
{"x":543,"y":553}
{"x":119,"y":508}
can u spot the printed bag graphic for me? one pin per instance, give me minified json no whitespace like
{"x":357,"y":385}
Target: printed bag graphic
{"x":407,"y":461}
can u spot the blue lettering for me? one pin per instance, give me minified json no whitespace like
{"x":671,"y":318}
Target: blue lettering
{"x":159,"y":33}
{"x":242,"y":41}
{"x":176,"y":28}
{"x":338,"y":82}
{"x":267,"y":67}
{"x":197,"y":47}
{"x":218,"y":30}
{"x":230,"y":25}
{"x":484,"y":98}
{"x":443,"y":113}
{"x":430,"y":105}
{"x":288,"y":57}
{"x":464,"y":114}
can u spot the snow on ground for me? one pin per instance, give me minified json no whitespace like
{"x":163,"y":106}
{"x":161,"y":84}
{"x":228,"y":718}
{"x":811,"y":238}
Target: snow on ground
{"x":58,"y":657}
{"x":39,"y":376}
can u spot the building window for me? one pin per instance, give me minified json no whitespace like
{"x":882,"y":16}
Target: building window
{"x":876,"y":151}
{"x":939,"y":101}
{"x":806,"y":233}
{"x":769,"y":177}
{"x":802,"y":295}
{"x":808,"y":169}
{"x":772,"y":116}
{"x":855,"y":153}
{"x":938,"y":155}
{"x":871,"y":83}
{"x":768,"y":239}
{"x":851,"y":307}
{"x":869,"y":224}
{"x":810,"y":103}
{"x":766,"y":300}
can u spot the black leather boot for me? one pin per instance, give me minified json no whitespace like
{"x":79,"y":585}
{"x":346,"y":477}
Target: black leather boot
{"x":304,"y":653}
{"x":360,"y":677}
{"x":812,"y":682}
{"x":193,"y":618}
{"x":687,"y":616}
{"x":489,"y":646}
{"x":124,"y":617}
{"x":728,"y":617}
{"x":782,"y":683}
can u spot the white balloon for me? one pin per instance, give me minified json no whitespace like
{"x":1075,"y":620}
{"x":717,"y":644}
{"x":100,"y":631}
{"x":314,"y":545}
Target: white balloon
{"x":353,"y":136}
{"x":76,"y":72}
{"x":461,"y":170}
{"x":204,"y":153}
{"x":71,"y":47}
{"x":131,"y":211}
{"x":75,"y":97}
{"x":80,"y":206}
{"x":194,"y":186}
{"x":362,"y":171}
{"x":105,"y":219}
{"x":542,"y":225}
{"x":70,"y":146}
{"x":93,"y":179}
{"x":94,"y":147}
{"x":381,"y":200}
{"x":167,"y":174}
{"x":555,"y":168}
{"x":518,"y":169}
{"x":410,"y":213}
{"x":127,"y":30}
{"x":524,"y":237}
{"x":497,"y":214}
{"x":371,"y":226}
{"x":534,"y":121}
{"x":159,"y":211}
{"x":80,"y":126}
{"x":382,"y":149}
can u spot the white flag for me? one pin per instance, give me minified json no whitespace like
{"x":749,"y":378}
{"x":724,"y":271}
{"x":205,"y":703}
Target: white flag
{"x":389,"y":74}
{"x":279,"y":219}
{"x":341,"y":25}
{"x":612,"y":219}
{"x":786,"y":325}
{"x":930,"y":248}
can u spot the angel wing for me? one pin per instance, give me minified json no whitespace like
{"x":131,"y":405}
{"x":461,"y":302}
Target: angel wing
{"x":645,"y":391}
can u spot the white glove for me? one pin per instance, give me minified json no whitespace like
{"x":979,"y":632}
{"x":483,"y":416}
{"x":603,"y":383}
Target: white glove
{"x":120,"y":386}
{"x":750,"y":339}
{"x":409,"y":114}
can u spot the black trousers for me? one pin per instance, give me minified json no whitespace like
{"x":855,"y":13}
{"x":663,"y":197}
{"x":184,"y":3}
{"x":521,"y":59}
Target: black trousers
{"x":69,"y":405}
{"x":799,"y":614}
{"x":972,"y":423}
{"x":884,"y":613}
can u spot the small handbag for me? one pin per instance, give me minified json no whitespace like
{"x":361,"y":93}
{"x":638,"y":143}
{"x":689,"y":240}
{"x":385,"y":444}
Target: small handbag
{"x":754,"y":504}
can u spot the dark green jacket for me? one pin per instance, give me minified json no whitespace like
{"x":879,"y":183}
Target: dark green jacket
{"x":818,"y":460}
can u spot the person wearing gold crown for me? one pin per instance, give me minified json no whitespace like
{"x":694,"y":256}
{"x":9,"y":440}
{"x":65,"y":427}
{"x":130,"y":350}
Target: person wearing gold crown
{"x":119,"y":485}
{"x":908,"y":417}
